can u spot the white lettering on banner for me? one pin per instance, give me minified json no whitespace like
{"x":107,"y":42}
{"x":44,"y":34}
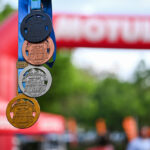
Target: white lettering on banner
{"x":131,"y":31}
{"x":99,"y":29}
{"x":146,"y":31}
{"x":4,"y":124}
{"x":50,"y":124}
{"x":68,"y":28}
{"x":94,"y":30}
{"x":113,"y":27}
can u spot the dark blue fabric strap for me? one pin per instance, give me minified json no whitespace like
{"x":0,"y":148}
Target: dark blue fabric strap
{"x":47,"y":7}
{"x":25,"y":6}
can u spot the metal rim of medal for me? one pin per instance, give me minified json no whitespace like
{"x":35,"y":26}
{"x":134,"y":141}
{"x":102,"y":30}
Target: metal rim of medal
{"x":21,"y":96}
{"x":49,"y":77}
{"x":28,"y":27}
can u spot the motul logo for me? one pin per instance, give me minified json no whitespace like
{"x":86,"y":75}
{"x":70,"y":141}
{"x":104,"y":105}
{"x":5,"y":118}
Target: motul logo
{"x":106,"y":31}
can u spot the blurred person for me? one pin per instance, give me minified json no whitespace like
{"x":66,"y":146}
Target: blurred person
{"x":103,"y":144}
{"x":142,"y":142}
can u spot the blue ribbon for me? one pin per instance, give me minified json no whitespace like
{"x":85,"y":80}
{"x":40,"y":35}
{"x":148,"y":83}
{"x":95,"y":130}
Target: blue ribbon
{"x":25,"y":6}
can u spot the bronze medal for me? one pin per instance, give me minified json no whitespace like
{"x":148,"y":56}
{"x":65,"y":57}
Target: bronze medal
{"x":23,"y":112}
{"x":38,"y":53}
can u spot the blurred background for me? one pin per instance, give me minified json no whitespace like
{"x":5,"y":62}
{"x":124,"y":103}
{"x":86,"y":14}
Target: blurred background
{"x":100,"y":95}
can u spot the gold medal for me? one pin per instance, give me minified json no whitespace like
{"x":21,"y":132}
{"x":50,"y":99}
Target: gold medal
{"x":23,"y":112}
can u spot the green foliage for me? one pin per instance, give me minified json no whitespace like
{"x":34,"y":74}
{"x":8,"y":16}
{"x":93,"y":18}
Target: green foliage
{"x":116,"y":100}
{"x":75,"y":93}
{"x":70,"y":94}
{"x":142,"y":86}
{"x":5,"y":12}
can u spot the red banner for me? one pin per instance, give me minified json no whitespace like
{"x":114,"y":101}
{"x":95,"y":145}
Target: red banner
{"x":102,"y":31}
{"x":86,"y":31}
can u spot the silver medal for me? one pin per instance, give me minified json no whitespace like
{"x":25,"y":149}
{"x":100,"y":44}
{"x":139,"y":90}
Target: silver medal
{"x":35,"y":81}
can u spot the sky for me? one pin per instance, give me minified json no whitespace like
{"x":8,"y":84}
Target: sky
{"x":122,"y":62}
{"x":97,"y":6}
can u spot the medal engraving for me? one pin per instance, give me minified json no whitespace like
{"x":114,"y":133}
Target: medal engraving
{"x":22,"y":112}
{"x":39,"y":53}
{"x":35,"y":81}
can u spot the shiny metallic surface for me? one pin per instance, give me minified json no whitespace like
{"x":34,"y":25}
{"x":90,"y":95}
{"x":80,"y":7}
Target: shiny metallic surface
{"x":35,"y":81}
{"x":23,"y":112}
{"x":38,"y":53}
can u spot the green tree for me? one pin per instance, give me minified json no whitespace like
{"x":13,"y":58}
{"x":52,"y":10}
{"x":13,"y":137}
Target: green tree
{"x":116,"y":100}
{"x":70,"y":94}
{"x":7,"y":10}
{"x":142,"y":85}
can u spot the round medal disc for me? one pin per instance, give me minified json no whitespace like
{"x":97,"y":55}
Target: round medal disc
{"x":35,"y":81}
{"x":23,"y":112}
{"x":36,"y":26}
{"x":38,"y":53}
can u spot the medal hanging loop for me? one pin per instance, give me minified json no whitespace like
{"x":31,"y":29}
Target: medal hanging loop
{"x":35,"y":4}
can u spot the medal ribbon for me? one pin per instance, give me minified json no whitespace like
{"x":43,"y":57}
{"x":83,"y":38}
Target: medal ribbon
{"x":24,"y":8}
